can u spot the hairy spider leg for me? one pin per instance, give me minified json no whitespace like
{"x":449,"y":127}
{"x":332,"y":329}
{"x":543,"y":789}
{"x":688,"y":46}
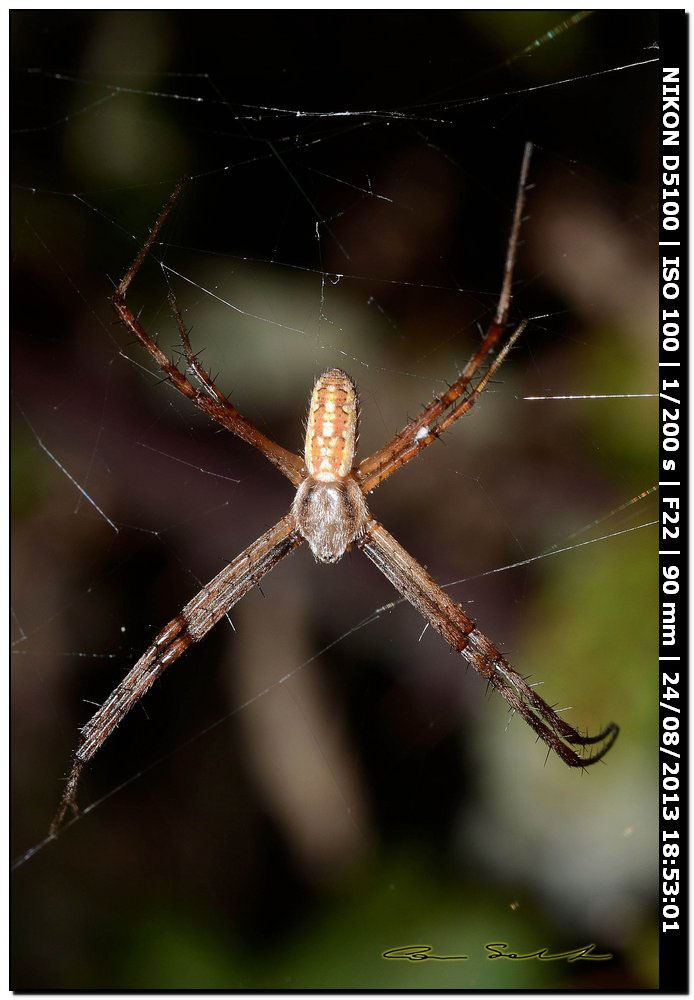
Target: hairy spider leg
{"x":209,"y":399}
{"x":423,"y":430}
{"x":450,"y":621}
{"x":193,"y":622}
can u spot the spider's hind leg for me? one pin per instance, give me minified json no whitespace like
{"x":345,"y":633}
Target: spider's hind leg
{"x":479,"y":652}
{"x":556,"y":733}
{"x":540,"y":716}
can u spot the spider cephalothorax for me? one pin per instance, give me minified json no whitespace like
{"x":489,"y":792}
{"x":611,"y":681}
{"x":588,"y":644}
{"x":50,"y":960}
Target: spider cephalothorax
{"x":329,"y":506}
{"x":330,"y":513}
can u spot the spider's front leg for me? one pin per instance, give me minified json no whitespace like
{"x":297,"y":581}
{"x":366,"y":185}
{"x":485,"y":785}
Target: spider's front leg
{"x":448,"y":618}
{"x":445,"y":409}
{"x":208,"y":399}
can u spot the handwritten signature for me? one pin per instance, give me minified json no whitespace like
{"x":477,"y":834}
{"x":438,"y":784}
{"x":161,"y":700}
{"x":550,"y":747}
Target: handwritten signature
{"x":496,"y":950}
{"x":544,"y":955}
{"x":420,"y":953}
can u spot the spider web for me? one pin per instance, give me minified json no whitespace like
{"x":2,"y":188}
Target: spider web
{"x":351,"y":185}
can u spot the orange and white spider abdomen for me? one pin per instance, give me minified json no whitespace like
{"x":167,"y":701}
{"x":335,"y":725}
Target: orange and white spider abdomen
{"x":331,"y":429}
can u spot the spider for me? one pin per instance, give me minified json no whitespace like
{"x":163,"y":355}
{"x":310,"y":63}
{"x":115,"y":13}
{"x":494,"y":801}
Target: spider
{"x":329,"y":511}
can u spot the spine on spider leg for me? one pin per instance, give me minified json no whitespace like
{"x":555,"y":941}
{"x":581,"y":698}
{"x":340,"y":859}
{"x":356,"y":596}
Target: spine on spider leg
{"x":170,"y":370}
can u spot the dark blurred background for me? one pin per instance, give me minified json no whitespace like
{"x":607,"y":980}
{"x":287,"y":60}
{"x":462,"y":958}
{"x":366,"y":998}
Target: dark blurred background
{"x":353,"y":178}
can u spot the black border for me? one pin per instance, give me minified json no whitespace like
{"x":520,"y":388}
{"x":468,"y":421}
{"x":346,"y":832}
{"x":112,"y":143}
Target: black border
{"x":673,"y":964}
